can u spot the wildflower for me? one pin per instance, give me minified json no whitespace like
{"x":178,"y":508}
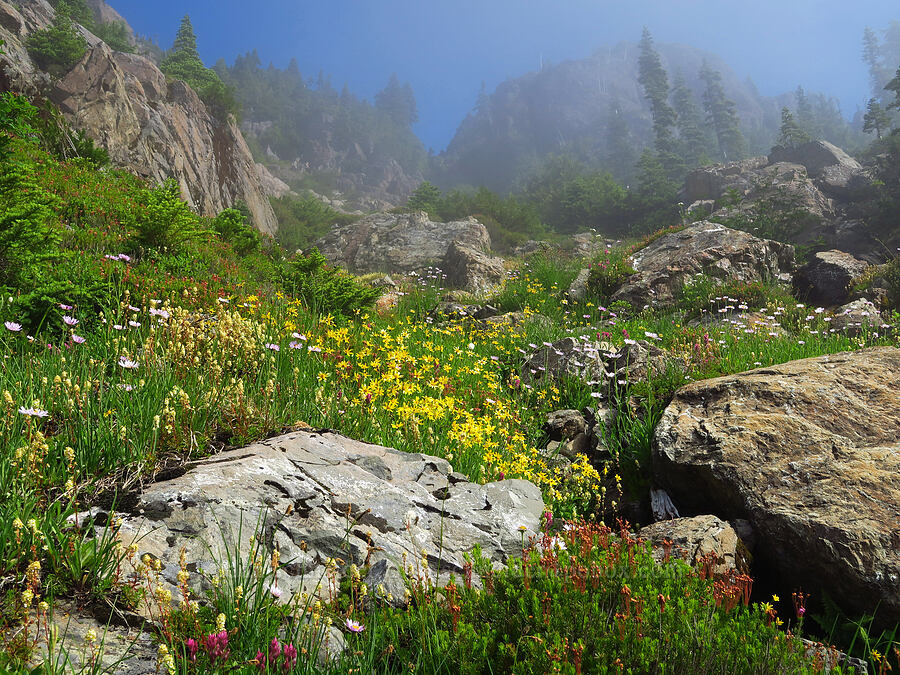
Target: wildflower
{"x":220,"y":622}
{"x":65,"y":308}
{"x":77,"y":339}
{"x":118,"y":326}
{"x":134,"y":324}
{"x":274,"y":650}
{"x":13,"y":326}
{"x":290,"y":655}
{"x":163,"y":314}
{"x":127,"y":363}
{"x":192,"y":646}
{"x":299,"y":336}
{"x":354,"y":626}
{"x":275,"y":591}
{"x":33,"y":412}
{"x":91,"y":636}
{"x":272,"y":347}
{"x":70,"y":320}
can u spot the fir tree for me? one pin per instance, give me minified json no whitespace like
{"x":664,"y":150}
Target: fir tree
{"x":722,"y":115}
{"x":694,"y":140}
{"x":655,"y":81}
{"x":620,"y":147}
{"x":894,"y":86}
{"x":791,"y":134}
{"x":60,"y":46}
{"x":806,"y":117}
{"x":398,"y":101}
{"x":876,"y":118}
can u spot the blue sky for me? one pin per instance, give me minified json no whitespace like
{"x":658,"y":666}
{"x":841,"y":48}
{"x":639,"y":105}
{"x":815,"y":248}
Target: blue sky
{"x":447,"y":48}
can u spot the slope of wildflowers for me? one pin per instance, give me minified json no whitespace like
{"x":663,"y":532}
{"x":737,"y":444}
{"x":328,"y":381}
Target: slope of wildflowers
{"x":122,"y":358}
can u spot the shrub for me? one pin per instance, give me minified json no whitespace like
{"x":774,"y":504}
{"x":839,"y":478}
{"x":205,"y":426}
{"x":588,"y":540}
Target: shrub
{"x":167,"y":223}
{"x":116,"y":35}
{"x":57,"y":48}
{"x":323,"y":288}
{"x":232,"y":227}
{"x":302,"y":220}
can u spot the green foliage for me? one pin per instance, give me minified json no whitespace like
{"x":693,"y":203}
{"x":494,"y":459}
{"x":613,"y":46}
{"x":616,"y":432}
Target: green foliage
{"x":303,"y":220}
{"x":232,"y":227}
{"x":791,"y":134}
{"x":183,"y":63}
{"x":655,"y":82}
{"x":398,"y":101}
{"x":60,"y":46}
{"x":167,"y":223}
{"x":325,"y":289}
{"x":608,"y":272}
{"x":77,"y":10}
{"x":58,"y":137}
{"x":17,"y":119}
{"x":722,"y":115}
{"x":876,"y":118}
{"x":704,"y":296}
{"x":424,"y":198}
{"x":894,"y":87}
{"x":116,"y":35}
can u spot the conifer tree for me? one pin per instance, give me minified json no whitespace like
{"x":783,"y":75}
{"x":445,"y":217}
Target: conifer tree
{"x":791,"y":134}
{"x":398,"y":101}
{"x":620,"y":148}
{"x":722,"y":115}
{"x":876,"y":118}
{"x":694,"y":140}
{"x":894,"y":86}
{"x":655,"y":81}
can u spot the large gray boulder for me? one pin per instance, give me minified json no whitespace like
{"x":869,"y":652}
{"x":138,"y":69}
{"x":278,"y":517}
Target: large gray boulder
{"x":318,"y":496}
{"x":828,"y":278}
{"x":399,"y":242}
{"x":834,"y":171}
{"x":809,"y":453}
{"x":719,"y":252}
{"x":471,"y":269}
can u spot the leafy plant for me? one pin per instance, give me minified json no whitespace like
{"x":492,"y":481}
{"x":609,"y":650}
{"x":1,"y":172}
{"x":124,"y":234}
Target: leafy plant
{"x":60,"y":46}
{"x":326,"y":289}
{"x":232,"y":227}
{"x":167,"y":223}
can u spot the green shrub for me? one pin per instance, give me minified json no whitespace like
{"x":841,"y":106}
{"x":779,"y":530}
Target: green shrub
{"x":303,"y":220}
{"x":116,"y":35}
{"x":167,"y":223}
{"x":323,"y":288}
{"x":232,"y":227}
{"x":57,"y":48}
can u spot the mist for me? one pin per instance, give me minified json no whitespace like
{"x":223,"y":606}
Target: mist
{"x":446,"y":50}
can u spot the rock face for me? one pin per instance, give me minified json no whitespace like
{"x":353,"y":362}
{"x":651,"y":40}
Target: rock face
{"x":703,"y":248}
{"x":404,"y":242}
{"x":827,"y":278}
{"x":472,"y":270}
{"x":318,"y":496}
{"x":157,"y":129}
{"x":809,"y":453}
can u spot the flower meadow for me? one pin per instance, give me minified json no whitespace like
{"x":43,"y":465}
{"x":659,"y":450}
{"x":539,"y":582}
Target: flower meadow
{"x":138,"y":339}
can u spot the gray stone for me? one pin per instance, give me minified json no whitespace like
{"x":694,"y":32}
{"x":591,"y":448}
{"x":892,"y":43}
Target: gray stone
{"x":578,"y":290}
{"x":472,"y":270}
{"x":322,"y":496}
{"x":808,"y":452}
{"x":718,"y":252}
{"x":827,"y":279}
{"x":565,"y":424}
{"x":855,"y":316}
{"x":693,"y":539}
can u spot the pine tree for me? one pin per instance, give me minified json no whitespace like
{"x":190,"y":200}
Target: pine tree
{"x":791,"y":134}
{"x":655,"y":82}
{"x":620,"y":147}
{"x":876,"y":118}
{"x":694,"y":140}
{"x":894,"y":86}
{"x":722,"y":115}
{"x":806,"y":117}
{"x":398,"y":101}
{"x":183,"y":62}
{"x":872,"y":58}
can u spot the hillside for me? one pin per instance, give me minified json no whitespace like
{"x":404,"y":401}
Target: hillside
{"x":595,"y":109}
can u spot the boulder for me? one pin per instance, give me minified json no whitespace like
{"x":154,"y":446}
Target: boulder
{"x":319,"y":496}
{"x":816,"y":156}
{"x":809,"y":453}
{"x":853,"y":317}
{"x":578,"y":289}
{"x":472,"y":270}
{"x":399,"y":242}
{"x":576,"y":358}
{"x":713,"y":182}
{"x":564,"y":425}
{"x":694,"y":539}
{"x":714,"y":250}
{"x":271,"y":186}
{"x":828,"y":277}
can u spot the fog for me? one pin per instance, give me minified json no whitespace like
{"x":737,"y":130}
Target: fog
{"x":446,"y":49}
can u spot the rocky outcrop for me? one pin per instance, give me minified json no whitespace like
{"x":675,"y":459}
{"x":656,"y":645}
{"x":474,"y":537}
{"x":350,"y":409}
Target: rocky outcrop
{"x":828,"y":278}
{"x":856,"y":316}
{"x":809,"y":453}
{"x":318,"y":496}
{"x":157,"y":129}
{"x":718,"y":252}
{"x":472,"y":270}
{"x":403,"y":242}
{"x":836,"y":171}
